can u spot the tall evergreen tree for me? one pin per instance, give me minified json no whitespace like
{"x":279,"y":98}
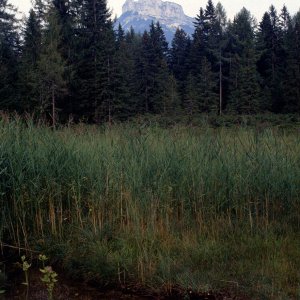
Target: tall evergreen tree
{"x":198,"y":49}
{"x":179,"y":59}
{"x":67,"y":20}
{"x":95,"y":50}
{"x":158,"y":62}
{"x":51,"y":68}
{"x":124,"y":102}
{"x":208,"y":100}
{"x":213,"y":34}
{"x":153,"y":69}
{"x":271,"y":60}
{"x":222,"y":28}
{"x":28,"y":70}
{"x":144,"y":74}
{"x":190,"y":103}
{"x":245,"y":96}
{"x":205,"y":55}
{"x":9,"y":56}
{"x":291,"y":82}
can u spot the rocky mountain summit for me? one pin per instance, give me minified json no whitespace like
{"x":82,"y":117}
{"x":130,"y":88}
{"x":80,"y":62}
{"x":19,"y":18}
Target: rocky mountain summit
{"x":140,"y":13}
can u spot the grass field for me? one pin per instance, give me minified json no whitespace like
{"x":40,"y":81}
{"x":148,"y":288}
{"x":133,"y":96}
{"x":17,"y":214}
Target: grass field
{"x":196,"y":207}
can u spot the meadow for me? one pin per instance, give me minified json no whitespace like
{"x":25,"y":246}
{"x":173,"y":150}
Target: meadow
{"x":194,"y":208}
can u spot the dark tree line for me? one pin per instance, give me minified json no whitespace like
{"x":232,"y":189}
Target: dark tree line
{"x":66,"y":60}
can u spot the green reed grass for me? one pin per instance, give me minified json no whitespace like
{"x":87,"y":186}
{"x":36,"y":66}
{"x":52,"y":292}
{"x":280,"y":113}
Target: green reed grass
{"x":197,"y":207}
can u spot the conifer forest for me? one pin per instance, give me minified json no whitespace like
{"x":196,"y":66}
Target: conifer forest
{"x":66,"y":60}
{"x":134,"y":168}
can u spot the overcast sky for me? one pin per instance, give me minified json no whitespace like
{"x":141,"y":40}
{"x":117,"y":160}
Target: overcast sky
{"x":191,"y":7}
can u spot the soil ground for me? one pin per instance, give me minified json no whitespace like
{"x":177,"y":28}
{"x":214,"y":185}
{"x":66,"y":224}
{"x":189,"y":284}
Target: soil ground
{"x":68,"y":290}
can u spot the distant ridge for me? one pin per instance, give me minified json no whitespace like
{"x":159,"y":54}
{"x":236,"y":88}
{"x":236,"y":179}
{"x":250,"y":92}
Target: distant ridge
{"x":139,"y":14}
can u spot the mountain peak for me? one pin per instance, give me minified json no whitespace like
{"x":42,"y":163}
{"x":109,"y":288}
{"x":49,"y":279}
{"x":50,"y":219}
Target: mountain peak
{"x":139,"y":14}
{"x":155,"y":8}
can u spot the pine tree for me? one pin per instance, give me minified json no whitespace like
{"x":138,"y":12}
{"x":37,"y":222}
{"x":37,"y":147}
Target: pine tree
{"x":9,"y":56}
{"x":51,"y":68}
{"x":206,"y":56}
{"x":170,"y":97}
{"x":221,"y":17}
{"x":67,"y":19}
{"x":271,"y":61}
{"x":212,"y":32}
{"x":94,"y":63}
{"x":190,"y":103}
{"x":158,"y":54}
{"x":198,"y":48}
{"x":222,"y":27}
{"x":208,"y":100}
{"x":152,"y":69}
{"x":144,"y":74}
{"x":291,"y":82}
{"x":179,"y":59}
{"x":179,"y":55}
{"x":245,"y":93}
{"x":31,"y":50}
{"x":124,"y":101}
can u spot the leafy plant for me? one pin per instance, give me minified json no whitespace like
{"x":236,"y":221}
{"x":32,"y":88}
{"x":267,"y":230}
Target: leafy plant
{"x":49,"y":276}
{"x":25,"y":267}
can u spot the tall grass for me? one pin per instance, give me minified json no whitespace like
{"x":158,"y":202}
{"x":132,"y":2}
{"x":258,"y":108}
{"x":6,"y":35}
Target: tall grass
{"x":196,"y":207}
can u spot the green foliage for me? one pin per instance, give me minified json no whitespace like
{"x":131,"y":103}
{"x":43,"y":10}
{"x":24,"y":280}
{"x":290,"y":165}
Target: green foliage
{"x":199,"y":207}
{"x":206,"y":89}
{"x":95,"y":46}
{"x":49,"y":277}
{"x":292,"y":73}
{"x":191,"y":96}
{"x":152,"y":70}
{"x":25,"y":267}
{"x":28,"y":72}
{"x":9,"y":42}
{"x":245,"y":93}
{"x":73,"y":65}
{"x":125,"y":102}
{"x":272,"y":57}
{"x":51,"y":68}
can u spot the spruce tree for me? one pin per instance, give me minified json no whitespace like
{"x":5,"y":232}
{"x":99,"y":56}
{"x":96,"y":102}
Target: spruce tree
{"x":124,"y":98}
{"x":158,"y":53}
{"x":171,"y":104}
{"x":67,"y":18}
{"x":9,"y":56}
{"x":271,"y":61}
{"x":222,"y":29}
{"x":143,"y":74}
{"x":179,"y":55}
{"x":51,"y":69}
{"x":190,"y":103}
{"x":28,"y":70}
{"x":179,"y":59}
{"x":153,"y":69}
{"x":198,"y":48}
{"x":94,"y":63}
{"x":206,"y":56}
{"x":245,"y":93}
{"x":208,"y":100}
{"x":291,"y":82}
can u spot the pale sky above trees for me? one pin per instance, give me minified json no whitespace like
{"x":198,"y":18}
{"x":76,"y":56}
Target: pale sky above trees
{"x":191,"y":7}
